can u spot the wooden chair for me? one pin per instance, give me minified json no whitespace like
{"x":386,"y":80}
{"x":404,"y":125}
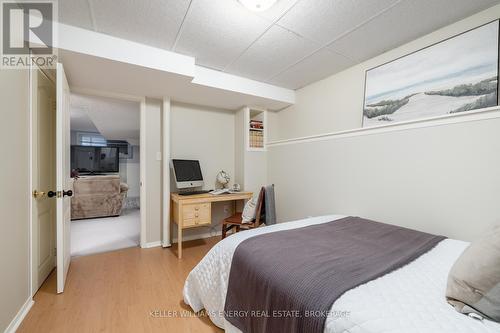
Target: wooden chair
{"x":236,"y":221}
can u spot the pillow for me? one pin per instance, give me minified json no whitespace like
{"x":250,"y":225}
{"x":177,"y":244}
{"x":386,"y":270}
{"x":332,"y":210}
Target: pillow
{"x":474,"y":280}
{"x":249,"y":211}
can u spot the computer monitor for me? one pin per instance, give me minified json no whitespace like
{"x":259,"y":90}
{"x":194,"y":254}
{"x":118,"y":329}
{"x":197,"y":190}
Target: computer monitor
{"x":187,"y":173}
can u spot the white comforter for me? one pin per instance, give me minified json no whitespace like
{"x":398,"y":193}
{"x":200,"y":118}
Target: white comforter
{"x":410,"y":299}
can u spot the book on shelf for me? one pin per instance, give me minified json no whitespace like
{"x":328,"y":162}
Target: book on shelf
{"x":256,"y":124}
{"x":256,"y":139}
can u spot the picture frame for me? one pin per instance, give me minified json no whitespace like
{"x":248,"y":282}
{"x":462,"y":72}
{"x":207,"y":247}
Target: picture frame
{"x":454,"y":75}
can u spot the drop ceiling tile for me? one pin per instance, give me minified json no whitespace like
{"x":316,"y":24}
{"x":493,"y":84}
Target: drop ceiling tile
{"x":152,"y":22}
{"x":316,"y":67}
{"x":277,"y":10}
{"x":413,"y":19}
{"x":276,"y":50}
{"x":326,"y":20}
{"x":216,"y":32}
{"x":75,"y":13}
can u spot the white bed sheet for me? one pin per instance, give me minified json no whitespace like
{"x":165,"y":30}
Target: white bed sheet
{"x":410,"y":299}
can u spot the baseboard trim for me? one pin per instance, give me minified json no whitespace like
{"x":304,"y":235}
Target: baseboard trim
{"x":18,"y":319}
{"x":184,"y":239}
{"x":151,"y":244}
{"x":198,"y":236}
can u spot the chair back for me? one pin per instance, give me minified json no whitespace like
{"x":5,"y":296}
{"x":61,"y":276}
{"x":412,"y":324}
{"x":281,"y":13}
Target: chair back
{"x":260,"y":204}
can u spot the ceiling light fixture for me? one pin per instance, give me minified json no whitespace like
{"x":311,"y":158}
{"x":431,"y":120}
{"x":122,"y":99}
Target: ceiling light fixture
{"x":257,"y":5}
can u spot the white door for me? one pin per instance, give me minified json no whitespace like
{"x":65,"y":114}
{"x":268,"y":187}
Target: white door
{"x":43,"y":99}
{"x":63,"y":180}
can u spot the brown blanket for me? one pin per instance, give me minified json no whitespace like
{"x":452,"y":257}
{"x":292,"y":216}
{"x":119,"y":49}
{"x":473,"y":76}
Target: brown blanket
{"x":287,"y":281}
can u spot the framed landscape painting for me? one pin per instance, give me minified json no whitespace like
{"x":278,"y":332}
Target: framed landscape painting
{"x":455,"y":75}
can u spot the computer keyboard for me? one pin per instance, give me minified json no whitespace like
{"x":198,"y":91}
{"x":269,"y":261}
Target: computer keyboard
{"x":221,"y":191}
{"x":193,"y":192}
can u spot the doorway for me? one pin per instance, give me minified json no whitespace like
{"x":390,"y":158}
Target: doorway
{"x":105,"y":164}
{"x":50,"y":232}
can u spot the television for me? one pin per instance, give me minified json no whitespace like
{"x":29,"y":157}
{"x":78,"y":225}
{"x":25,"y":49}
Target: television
{"x":94,"y":160}
{"x":187,"y":173}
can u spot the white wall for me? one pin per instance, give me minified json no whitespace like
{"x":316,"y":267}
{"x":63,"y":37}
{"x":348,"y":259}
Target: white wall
{"x":15,"y":194}
{"x":251,"y":166}
{"x":153,"y":172}
{"x":441,"y":179}
{"x":208,"y":135}
{"x":255,"y":171}
{"x":130,"y":172}
{"x":239,"y":147}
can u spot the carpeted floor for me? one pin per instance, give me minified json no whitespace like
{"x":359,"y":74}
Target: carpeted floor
{"x":105,"y":234}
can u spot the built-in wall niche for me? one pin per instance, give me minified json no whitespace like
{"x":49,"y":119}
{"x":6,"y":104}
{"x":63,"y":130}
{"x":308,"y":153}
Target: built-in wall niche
{"x":256,"y":127}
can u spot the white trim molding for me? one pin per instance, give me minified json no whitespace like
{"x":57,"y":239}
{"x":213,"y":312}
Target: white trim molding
{"x":21,"y":314}
{"x":151,"y":244}
{"x":142,"y":172}
{"x":462,"y":117}
{"x":184,"y":239}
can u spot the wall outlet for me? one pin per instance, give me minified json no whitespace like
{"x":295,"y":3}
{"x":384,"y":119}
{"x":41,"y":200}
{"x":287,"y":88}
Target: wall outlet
{"x":227,"y":209}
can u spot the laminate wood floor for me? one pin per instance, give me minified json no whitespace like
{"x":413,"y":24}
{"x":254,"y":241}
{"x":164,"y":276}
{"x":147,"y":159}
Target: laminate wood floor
{"x":119,"y":292}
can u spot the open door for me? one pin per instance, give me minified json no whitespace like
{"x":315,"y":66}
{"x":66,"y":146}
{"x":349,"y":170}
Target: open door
{"x":64,"y":183}
{"x":43,"y":158}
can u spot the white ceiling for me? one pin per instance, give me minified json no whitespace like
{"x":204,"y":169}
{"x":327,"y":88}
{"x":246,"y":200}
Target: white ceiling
{"x":100,"y":114}
{"x":80,"y":120}
{"x":294,"y":43}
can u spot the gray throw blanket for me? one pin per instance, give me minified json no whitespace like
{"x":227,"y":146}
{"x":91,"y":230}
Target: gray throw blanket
{"x":269,"y":205}
{"x":287,"y":281}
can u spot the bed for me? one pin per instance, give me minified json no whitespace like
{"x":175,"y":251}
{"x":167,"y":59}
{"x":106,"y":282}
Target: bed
{"x":386,"y":304}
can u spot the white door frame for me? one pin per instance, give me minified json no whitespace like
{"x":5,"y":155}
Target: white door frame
{"x":31,"y":293}
{"x":30,"y":148}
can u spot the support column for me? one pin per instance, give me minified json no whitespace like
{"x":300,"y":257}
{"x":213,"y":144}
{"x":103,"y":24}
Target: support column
{"x":166,"y":237}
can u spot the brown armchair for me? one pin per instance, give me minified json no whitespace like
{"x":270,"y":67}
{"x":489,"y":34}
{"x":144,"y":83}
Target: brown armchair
{"x":97,"y":196}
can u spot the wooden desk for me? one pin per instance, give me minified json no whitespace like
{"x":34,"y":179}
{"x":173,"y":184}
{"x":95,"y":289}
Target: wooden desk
{"x":192,"y":211}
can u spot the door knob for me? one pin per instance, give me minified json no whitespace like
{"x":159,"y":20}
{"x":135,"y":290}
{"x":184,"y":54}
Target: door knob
{"x":57,"y":194}
{"x":38,"y":194}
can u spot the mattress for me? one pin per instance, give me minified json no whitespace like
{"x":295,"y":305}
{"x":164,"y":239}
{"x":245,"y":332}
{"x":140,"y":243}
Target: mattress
{"x":409,"y":299}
